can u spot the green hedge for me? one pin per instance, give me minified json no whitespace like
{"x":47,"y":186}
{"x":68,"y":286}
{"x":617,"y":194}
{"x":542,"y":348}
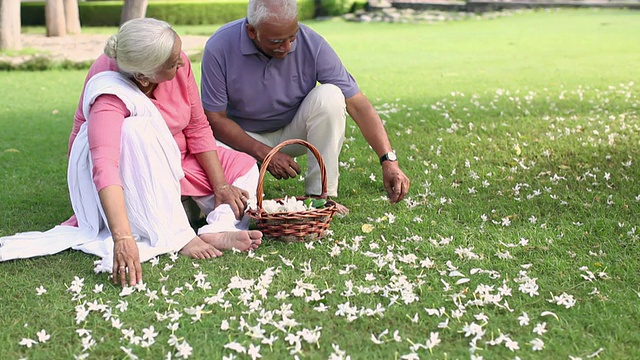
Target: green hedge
{"x":107,"y":13}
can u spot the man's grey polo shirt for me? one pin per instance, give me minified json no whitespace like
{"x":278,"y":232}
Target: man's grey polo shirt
{"x":262,"y":94}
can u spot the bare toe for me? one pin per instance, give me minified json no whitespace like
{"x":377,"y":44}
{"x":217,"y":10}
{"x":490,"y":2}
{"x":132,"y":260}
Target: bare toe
{"x":239,"y":240}
{"x":198,"y":249}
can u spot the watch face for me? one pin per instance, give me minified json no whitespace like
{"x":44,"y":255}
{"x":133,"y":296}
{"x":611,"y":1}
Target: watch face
{"x":392,"y":156}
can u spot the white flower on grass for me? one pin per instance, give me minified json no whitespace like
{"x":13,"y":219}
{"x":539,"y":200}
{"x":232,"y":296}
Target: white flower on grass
{"x":40,"y":290}
{"x":149,"y":333}
{"x":523,"y":319}
{"x":184,"y":350}
{"x":236,"y":346}
{"x":116,"y":323}
{"x":129,"y":353}
{"x":224,"y":326}
{"x":549,"y":313}
{"x":537,"y":344}
{"x":254,"y":352}
{"x":472,"y":329}
{"x":433,"y":341}
{"x":43,"y":337}
{"x":269,"y":340}
{"x":596,"y":353}
{"x":76,"y":285}
{"x":511,"y":344}
{"x":563,"y":299}
{"x":27,"y":342}
{"x":410,"y":356}
{"x":197,"y":312}
{"x":372,"y":177}
{"x":540,"y":328}
{"x":122,"y":305}
{"x":127,"y":290}
{"x":338,"y":354}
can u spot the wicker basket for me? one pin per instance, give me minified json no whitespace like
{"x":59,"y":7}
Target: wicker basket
{"x":297,"y":226}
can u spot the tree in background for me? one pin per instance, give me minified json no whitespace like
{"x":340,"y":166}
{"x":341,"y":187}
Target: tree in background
{"x":61,"y":17}
{"x":133,"y":9}
{"x":72,"y":16}
{"x":10,"y":25}
{"x":54,"y":18}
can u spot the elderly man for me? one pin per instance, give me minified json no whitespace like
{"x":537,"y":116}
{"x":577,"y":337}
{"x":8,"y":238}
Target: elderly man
{"x":259,"y":88}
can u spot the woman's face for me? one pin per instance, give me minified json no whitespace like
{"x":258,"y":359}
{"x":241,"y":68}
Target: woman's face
{"x":168,"y":70}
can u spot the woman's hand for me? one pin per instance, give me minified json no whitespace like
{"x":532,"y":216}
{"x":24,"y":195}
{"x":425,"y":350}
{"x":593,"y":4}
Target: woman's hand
{"x":234,"y":196}
{"x":126,"y":260}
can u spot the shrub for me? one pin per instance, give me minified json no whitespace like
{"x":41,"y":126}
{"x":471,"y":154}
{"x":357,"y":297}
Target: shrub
{"x":338,"y":7}
{"x":107,"y":13}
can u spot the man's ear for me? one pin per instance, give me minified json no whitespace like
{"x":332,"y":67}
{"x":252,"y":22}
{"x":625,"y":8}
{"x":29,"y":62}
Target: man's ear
{"x":251,"y":31}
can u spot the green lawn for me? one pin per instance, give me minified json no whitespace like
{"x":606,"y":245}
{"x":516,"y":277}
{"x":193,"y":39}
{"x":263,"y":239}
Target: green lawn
{"x":518,"y":239}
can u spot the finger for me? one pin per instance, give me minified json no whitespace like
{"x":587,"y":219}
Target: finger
{"x":292,"y":172}
{"x":245,"y":193}
{"x":138,"y":268}
{"x":133,"y":278}
{"x":114,"y":274}
{"x":294,"y":165}
{"x":122,"y":273}
{"x":235,"y":207}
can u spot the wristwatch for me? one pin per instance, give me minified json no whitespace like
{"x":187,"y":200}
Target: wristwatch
{"x":390,"y":156}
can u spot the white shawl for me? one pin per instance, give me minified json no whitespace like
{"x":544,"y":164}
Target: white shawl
{"x":150,"y":169}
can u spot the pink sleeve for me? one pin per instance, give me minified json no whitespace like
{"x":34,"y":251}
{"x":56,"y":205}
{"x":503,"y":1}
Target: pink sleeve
{"x":104,"y":129}
{"x":198,"y":132}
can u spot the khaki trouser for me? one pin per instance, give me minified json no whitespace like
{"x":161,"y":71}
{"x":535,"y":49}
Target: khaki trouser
{"x":320,"y":120}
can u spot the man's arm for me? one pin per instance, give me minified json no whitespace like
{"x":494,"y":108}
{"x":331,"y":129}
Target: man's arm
{"x":229,"y":132}
{"x":396,"y":183}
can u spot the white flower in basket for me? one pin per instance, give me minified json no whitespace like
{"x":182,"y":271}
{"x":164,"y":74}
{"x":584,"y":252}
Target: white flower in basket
{"x":288,"y":204}
{"x":290,"y":219}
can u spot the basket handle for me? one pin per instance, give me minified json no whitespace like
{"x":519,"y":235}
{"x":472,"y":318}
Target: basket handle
{"x":274,"y":151}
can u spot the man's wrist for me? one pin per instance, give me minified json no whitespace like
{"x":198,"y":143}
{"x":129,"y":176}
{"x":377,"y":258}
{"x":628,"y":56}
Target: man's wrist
{"x":389,"y":156}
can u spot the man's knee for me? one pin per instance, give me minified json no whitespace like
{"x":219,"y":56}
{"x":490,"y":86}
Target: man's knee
{"x":328,"y":96}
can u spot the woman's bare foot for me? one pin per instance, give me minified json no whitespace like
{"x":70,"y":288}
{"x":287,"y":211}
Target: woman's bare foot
{"x":240,"y":240}
{"x":199,"y":249}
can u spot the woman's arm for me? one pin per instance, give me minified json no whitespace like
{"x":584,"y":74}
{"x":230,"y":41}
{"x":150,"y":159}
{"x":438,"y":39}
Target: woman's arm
{"x":105,"y":121}
{"x":125,"y":251}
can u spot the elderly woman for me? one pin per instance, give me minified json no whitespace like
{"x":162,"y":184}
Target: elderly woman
{"x":141,"y":142}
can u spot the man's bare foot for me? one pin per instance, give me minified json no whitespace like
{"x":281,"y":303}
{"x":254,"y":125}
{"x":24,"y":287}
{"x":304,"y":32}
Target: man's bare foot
{"x":240,"y":240}
{"x":199,"y":249}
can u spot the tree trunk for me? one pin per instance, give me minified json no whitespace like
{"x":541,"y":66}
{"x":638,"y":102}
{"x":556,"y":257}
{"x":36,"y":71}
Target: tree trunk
{"x":133,"y":9}
{"x":54,"y":18}
{"x":10,"y":25}
{"x":72,"y":16}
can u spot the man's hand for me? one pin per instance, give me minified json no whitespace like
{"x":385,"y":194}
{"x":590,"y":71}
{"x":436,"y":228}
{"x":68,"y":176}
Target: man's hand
{"x":395,"y":181}
{"x":126,"y":261}
{"x":234,"y":196}
{"x":282,"y":166}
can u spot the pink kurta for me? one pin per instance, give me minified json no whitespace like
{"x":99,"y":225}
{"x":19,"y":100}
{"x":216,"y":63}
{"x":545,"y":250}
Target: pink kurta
{"x":179,"y":104}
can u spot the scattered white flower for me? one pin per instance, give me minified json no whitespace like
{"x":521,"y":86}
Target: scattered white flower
{"x":43,"y":337}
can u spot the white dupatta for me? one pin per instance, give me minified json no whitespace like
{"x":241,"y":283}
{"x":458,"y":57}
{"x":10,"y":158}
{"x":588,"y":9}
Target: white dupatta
{"x":150,"y":169}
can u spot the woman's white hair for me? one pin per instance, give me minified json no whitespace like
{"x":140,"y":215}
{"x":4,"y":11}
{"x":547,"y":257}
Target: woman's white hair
{"x":260,"y":11}
{"x":141,"y":46}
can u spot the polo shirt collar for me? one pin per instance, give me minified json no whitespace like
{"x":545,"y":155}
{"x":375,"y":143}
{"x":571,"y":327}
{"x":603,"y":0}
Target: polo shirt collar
{"x":248,"y":47}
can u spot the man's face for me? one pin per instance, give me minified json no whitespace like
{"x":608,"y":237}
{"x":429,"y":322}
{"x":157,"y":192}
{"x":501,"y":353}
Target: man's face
{"x":274,"y":38}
